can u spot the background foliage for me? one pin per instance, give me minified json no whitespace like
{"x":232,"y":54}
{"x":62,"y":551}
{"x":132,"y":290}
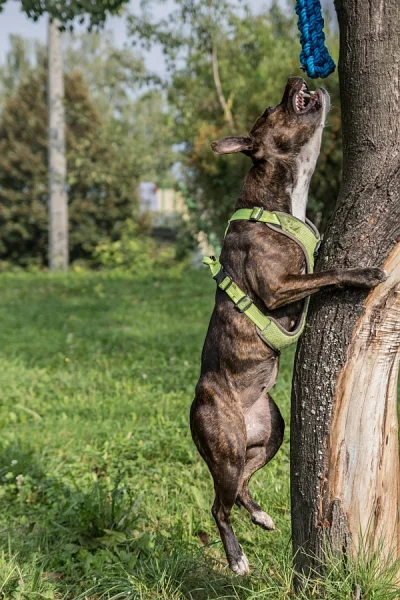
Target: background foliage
{"x":111,"y":139}
{"x":255,"y":55}
{"x":224,"y":65}
{"x":99,"y":198}
{"x":68,"y":10}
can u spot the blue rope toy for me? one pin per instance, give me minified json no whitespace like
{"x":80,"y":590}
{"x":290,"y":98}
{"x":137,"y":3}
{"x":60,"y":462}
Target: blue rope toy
{"x":314,"y":57}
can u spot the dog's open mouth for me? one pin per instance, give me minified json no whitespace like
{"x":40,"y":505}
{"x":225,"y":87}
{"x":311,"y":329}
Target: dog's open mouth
{"x":304,"y":100}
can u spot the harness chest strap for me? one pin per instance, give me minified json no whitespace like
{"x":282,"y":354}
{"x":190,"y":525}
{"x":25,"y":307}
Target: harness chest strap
{"x":304,"y":233}
{"x":308,"y":239}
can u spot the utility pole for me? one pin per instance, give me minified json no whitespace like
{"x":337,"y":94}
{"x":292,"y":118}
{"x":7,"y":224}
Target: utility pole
{"x":58,"y":200}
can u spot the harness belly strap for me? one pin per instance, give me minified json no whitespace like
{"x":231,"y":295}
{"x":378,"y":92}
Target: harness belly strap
{"x":306,"y":236}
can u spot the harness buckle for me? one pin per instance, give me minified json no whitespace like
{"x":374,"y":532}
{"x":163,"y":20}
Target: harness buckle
{"x":256,"y":214}
{"x":220,"y":276}
{"x":247,"y":305}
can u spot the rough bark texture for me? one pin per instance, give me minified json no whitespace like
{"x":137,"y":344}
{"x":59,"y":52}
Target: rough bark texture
{"x":344,"y":442}
{"x":58,"y":201}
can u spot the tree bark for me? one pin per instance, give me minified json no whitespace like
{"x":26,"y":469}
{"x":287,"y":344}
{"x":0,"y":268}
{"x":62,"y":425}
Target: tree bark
{"x":58,"y":201}
{"x":345,"y":484}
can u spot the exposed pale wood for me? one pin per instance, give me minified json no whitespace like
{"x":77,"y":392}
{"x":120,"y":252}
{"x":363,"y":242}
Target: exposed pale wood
{"x":364,"y":469}
{"x":58,"y":201}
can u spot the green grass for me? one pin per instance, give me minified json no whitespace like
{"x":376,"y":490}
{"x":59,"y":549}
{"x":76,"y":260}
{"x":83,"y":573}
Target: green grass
{"x":102,"y":493}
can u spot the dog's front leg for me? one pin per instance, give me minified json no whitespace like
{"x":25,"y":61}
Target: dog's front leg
{"x":296,"y":287}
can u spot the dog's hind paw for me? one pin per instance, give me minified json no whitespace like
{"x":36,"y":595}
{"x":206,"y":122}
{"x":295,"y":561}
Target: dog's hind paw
{"x":263,"y":520}
{"x":240,"y":566}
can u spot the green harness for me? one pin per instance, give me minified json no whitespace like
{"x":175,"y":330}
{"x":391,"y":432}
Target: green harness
{"x":306,"y":236}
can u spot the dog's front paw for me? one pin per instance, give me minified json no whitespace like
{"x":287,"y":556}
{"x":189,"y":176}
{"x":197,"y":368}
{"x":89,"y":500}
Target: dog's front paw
{"x":373,"y":276}
{"x":368,"y":277}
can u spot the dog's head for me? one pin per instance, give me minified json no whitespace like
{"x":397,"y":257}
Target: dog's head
{"x":283,"y":130}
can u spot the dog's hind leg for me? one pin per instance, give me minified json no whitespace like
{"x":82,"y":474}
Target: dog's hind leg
{"x":255,"y":460}
{"x":221,"y":511}
{"x":258,"y":455}
{"x":220,"y":435}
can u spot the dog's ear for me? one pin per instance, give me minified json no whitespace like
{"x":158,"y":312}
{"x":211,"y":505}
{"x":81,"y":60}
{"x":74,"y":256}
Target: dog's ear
{"x":229,"y":145}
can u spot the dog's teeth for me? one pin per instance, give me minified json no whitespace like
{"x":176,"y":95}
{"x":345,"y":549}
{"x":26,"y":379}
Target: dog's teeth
{"x":306,"y":95}
{"x":312,"y":92}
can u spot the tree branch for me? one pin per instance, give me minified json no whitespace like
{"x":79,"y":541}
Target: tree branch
{"x":222,"y":100}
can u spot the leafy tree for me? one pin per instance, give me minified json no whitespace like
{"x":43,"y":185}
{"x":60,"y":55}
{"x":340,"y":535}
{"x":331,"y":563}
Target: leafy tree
{"x":102,"y":174}
{"x":60,"y":13}
{"x":19,"y":61}
{"x":136,"y":119}
{"x":140,"y":118}
{"x":225,"y":64}
{"x":113,"y":75}
{"x":68,"y":10}
{"x":131,"y":141}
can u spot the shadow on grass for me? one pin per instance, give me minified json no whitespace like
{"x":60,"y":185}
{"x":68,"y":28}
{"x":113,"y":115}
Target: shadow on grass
{"x":98,"y":543}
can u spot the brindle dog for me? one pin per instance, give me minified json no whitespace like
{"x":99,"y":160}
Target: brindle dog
{"x":235,"y":423}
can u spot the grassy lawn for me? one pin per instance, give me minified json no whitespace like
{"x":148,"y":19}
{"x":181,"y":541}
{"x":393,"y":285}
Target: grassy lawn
{"x":102,"y":493}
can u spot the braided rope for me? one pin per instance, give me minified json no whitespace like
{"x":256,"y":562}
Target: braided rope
{"x":314,"y":57}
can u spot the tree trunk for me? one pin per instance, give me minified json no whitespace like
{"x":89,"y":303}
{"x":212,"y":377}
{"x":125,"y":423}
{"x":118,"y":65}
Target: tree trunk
{"x":58,"y":201}
{"x":345,"y":484}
